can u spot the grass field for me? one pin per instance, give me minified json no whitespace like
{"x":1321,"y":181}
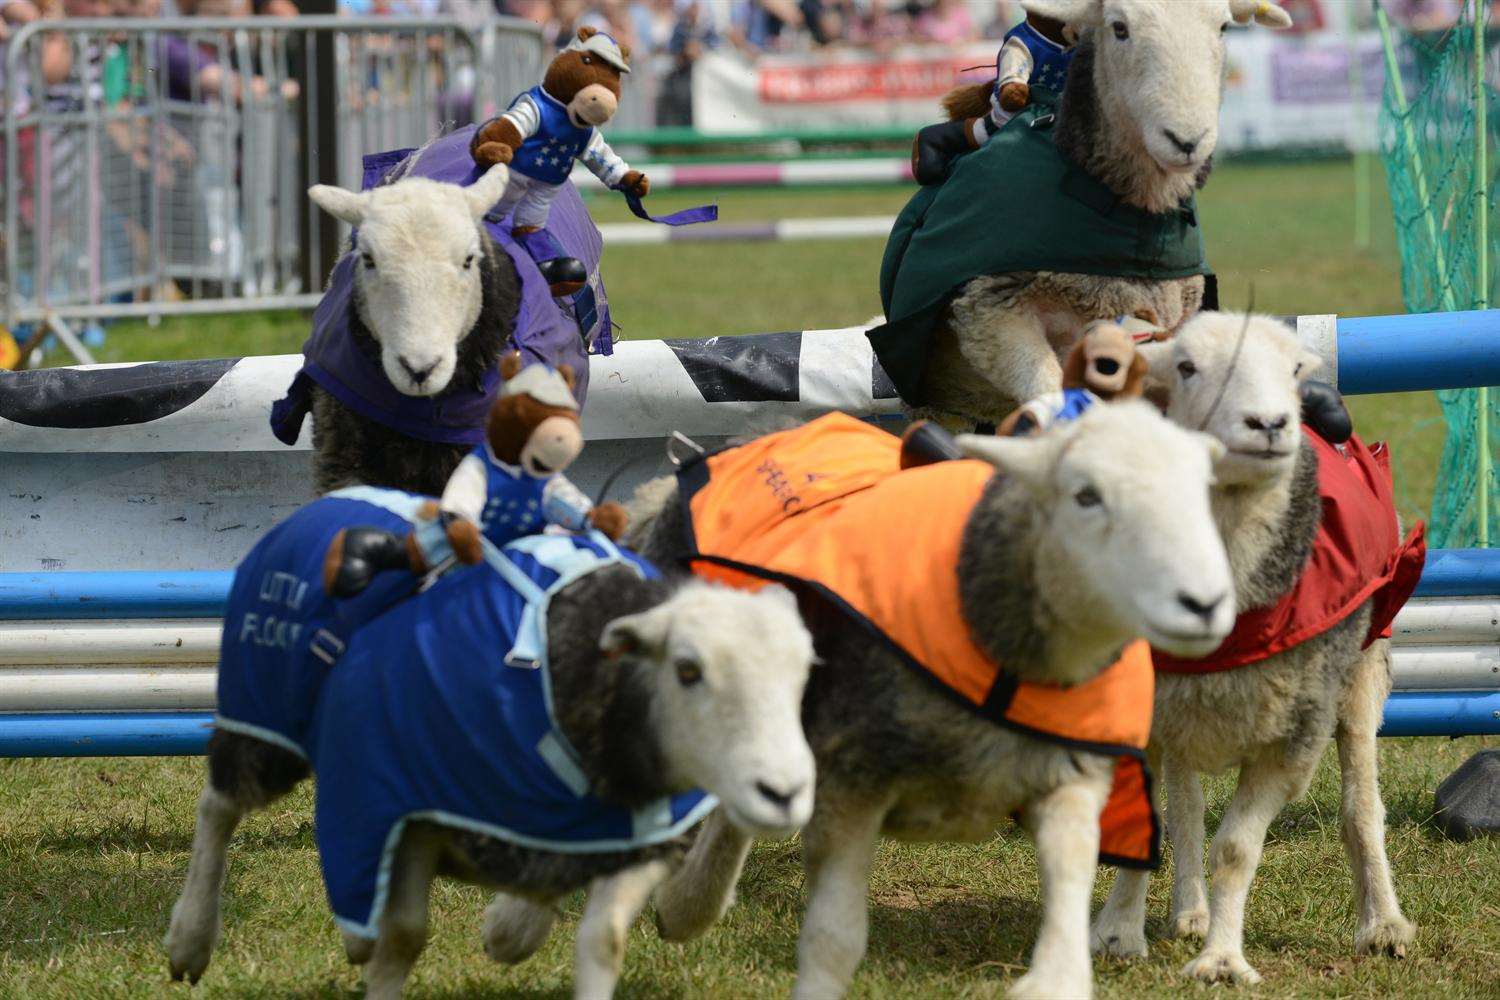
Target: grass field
{"x":92,"y":852}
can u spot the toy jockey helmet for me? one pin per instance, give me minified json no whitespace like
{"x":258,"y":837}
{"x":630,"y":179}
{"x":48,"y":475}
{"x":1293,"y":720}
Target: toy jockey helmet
{"x":542,"y":384}
{"x":604,"y":47}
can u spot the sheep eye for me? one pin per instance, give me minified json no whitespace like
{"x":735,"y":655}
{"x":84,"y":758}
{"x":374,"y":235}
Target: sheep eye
{"x":1088,"y":497}
{"x":688,"y":673}
{"x":1186,"y":369}
{"x":369,"y":261}
{"x":1121,"y":31}
{"x":1224,"y":28}
{"x":1297,"y":371}
{"x":468,"y":262}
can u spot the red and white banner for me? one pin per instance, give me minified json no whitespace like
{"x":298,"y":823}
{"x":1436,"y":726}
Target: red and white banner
{"x":831,"y":90}
{"x":1321,"y":88}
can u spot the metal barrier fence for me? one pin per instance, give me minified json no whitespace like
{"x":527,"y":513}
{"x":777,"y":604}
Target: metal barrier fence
{"x":164,"y":171}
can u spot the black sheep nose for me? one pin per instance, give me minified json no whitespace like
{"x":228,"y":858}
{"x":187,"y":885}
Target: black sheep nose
{"x":781,"y":800}
{"x":417,"y":375}
{"x":1271,"y":427}
{"x":1182,"y":144}
{"x":1203,"y":609}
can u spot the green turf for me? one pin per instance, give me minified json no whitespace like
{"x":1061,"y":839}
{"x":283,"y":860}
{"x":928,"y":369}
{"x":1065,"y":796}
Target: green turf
{"x":92,"y":852}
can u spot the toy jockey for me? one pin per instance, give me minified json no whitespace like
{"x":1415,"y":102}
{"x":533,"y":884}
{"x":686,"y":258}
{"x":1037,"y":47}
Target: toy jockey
{"x":1035,"y":53}
{"x":545,"y":130}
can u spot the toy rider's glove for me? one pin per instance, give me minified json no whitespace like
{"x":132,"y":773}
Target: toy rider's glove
{"x":935,"y":148}
{"x":925,"y":443}
{"x":1323,"y":410}
{"x":635,"y":183}
{"x":610,"y":518}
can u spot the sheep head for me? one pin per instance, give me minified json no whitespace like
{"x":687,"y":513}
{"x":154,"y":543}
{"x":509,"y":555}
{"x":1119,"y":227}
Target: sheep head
{"x":417,"y":277}
{"x":726,"y":670}
{"x":1159,"y":67}
{"x":1238,"y":378}
{"x":1126,"y":542}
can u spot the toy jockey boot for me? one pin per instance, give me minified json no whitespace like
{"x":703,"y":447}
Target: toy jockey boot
{"x":936,"y":147}
{"x":1323,"y":410}
{"x":357,"y":554}
{"x":564,"y":275}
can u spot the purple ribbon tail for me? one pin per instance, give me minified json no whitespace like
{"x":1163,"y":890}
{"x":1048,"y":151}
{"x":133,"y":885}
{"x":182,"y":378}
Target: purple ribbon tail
{"x":686,"y":217}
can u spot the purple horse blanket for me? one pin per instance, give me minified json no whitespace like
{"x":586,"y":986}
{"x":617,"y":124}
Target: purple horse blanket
{"x":548,"y":330}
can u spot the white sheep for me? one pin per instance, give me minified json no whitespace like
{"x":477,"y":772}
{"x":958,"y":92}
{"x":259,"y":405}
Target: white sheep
{"x":651,"y":688}
{"x":1271,"y":720}
{"x":427,"y":292}
{"x":1139,"y":113}
{"x":1053,"y":571}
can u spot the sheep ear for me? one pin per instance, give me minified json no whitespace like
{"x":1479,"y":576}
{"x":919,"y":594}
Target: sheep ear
{"x":485,"y":192}
{"x":1158,"y":357}
{"x":1070,"y":12}
{"x":643,"y":634}
{"x":1029,"y":459}
{"x":1307,"y":363}
{"x":1262,"y":12}
{"x":349,"y":206}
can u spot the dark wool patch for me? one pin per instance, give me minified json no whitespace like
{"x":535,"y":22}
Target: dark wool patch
{"x":1282,"y":563}
{"x":997,"y":577}
{"x":252,"y":772}
{"x":349,"y":449}
{"x":1079,"y":118}
{"x":540,"y":875}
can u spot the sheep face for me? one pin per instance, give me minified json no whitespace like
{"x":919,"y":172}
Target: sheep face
{"x":1237,"y":377}
{"x":727,"y":672}
{"x":1159,"y":66}
{"x":1126,"y":542}
{"x":417,"y":280}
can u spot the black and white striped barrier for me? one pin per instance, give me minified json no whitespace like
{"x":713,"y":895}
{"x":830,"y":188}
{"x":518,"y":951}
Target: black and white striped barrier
{"x":131,"y":490}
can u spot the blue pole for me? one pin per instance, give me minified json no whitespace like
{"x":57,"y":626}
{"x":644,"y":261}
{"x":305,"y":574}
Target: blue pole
{"x":1442,"y":713}
{"x":123,"y":734}
{"x":124,"y":594}
{"x":1460,"y":573}
{"x":1455,"y":350}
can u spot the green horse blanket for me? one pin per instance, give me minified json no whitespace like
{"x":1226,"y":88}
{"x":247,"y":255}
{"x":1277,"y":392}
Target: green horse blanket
{"x":1015,"y":204}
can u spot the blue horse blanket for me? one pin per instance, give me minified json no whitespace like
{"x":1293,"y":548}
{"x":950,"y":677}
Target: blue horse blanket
{"x":441,"y":710}
{"x":548,"y":330}
{"x":282,"y":631}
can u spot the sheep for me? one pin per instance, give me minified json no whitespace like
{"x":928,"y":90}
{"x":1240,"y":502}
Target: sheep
{"x":1050,"y":572}
{"x":1139,"y":112}
{"x":1272,"y":719}
{"x":428,"y":303}
{"x":657,"y":686}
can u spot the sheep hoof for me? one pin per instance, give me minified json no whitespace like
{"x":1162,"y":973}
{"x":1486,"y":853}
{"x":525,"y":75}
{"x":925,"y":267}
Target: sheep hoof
{"x":1221,"y":967}
{"x":188,"y":951}
{"x":1121,"y":942}
{"x":1388,"y":937}
{"x":1034,"y":986}
{"x":1193,"y":923}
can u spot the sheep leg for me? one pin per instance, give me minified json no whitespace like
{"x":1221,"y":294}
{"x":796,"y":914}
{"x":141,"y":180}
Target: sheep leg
{"x":195,"y":918}
{"x":1265,"y":786}
{"x":613,"y":905}
{"x":515,"y":927}
{"x":1184,"y":815}
{"x":1064,"y":826}
{"x":1011,"y":351}
{"x":1381,"y":929}
{"x":1120,"y":928}
{"x":403,"y":930}
{"x":702,"y":890}
{"x":837,"y":848}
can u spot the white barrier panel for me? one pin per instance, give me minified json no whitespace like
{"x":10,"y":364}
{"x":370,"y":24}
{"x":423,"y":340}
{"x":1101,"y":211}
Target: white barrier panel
{"x":74,"y":643}
{"x":174,"y":463}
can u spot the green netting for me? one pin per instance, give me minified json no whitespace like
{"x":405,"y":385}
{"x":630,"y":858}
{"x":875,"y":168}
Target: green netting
{"x":1429,"y":119}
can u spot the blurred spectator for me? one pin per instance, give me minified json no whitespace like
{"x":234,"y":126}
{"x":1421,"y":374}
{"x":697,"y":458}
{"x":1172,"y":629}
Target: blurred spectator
{"x":692,"y":35}
{"x":946,"y":22}
{"x":759,"y":24}
{"x":274,"y":8}
{"x":1423,"y":15}
{"x":1006,"y":15}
